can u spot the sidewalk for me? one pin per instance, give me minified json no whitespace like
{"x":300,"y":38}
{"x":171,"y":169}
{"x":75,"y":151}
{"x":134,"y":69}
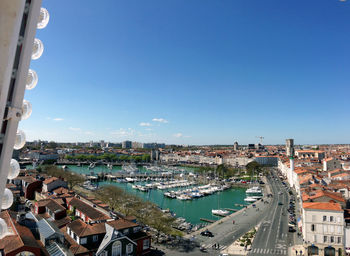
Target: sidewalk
{"x":296,"y":248}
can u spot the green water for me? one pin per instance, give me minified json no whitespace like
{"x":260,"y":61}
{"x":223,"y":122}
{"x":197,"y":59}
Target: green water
{"x":191,"y":210}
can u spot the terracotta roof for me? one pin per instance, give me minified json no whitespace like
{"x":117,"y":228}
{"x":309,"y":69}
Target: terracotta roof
{"x":61,"y":190}
{"x":62,"y":222}
{"x":75,"y":248}
{"x":50,"y":180}
{"x":322,"y":206}
{"x":88,"y":210}
{"x":51,"y":204}
{"x":321,"y":193}
{"x":28,"y":179}
{"x":82,"y":229}
{"x":19,"y":235}
{"x":120,"y":224}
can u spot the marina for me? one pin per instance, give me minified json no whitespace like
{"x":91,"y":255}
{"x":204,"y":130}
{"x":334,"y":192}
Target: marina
{"x":192,"y":211}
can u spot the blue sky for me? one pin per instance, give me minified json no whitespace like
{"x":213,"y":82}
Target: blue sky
{"x":193,"y":72}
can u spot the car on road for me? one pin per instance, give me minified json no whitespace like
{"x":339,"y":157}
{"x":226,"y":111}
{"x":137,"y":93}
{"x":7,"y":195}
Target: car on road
{"x":280,"y":203}
{"x":207,"y":233}
{"x":291,"y":229}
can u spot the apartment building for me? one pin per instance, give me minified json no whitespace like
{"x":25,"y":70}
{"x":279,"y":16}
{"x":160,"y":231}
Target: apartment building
{"x":323,"y":228}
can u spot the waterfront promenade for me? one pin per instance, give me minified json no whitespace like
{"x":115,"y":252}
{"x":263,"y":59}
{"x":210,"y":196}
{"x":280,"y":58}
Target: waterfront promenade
{"x":273,"y":237}
{"x":225,"y":232}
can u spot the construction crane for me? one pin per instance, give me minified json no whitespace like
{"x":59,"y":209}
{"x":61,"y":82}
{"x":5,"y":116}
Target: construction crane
{"x":261,"y":139}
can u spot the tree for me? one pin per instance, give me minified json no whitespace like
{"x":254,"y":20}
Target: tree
{"x":71,"y":178}
{"x":146,"y":158}
{"x":253,"y":167}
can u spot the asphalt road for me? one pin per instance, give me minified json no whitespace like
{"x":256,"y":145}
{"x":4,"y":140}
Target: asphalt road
{"x":226,"y":232}
{"x":273,"y":237}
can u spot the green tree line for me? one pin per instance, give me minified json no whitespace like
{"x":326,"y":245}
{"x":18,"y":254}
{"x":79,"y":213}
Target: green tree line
{"x":131,"y":205}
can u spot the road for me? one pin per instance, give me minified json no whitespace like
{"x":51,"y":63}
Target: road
{"x":226,"y":232}
{"x":273,"y":237}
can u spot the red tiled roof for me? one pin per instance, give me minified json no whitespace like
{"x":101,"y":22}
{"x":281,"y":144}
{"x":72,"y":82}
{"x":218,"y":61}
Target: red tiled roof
{"x":50,"y":180}
{"x":322,"y":206}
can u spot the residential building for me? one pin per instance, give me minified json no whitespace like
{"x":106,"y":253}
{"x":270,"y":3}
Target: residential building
{"x":86,"y":212}
{"x":116,"y":243}
{"x":28,"y":184}
{"x":317,"y":154}
{"x":52,"y":183}
{"x":19,"y":240}
{"x":331,"y":163}
{"x":323,"y":228}
{"x":87,"y":235}
{"x":127,"y":144}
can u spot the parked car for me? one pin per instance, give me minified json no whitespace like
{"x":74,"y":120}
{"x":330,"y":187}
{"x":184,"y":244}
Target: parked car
{"x":291,"y":229}
{"x":207,"y":233}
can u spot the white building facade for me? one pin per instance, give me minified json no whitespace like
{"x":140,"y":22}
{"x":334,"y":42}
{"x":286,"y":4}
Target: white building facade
{"x":323,"y":228}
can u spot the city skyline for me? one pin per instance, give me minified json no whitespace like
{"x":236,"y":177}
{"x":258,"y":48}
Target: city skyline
{"x":210,"y":73}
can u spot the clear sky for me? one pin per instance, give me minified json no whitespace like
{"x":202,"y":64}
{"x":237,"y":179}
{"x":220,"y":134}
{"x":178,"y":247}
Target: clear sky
{"x":193,"y":72}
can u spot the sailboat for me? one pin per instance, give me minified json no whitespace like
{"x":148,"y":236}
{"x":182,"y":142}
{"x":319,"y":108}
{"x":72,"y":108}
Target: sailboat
{"x":219,"y":212}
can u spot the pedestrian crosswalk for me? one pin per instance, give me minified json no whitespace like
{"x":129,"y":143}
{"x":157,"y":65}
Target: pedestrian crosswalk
{"x":255,"y":251}
{"x":212,"y":246}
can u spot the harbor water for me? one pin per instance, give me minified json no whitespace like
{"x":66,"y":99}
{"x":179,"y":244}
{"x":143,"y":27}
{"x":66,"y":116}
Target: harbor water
{"x":191,"y":210}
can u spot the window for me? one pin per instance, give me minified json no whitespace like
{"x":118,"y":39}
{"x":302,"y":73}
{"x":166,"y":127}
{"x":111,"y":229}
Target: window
{"x":339,"y":240}
{"x":129,"y":248}
{"x":325,"y":228}
{"x":331,"y":229}
{"x":83,"y":216}
{"x":331,"y":219}
{"x":145,"y":244}
{"x":313,"y":218}
{"x":126,"y":231}
{"x":324,"y":218}
{"x":315,"y":239}
{"x":95,"y":238}
{"x":117,"y":248}
{"x":339,"y":229}
{"x":83,"y":240}
{"x":332,"y":239}
{"x":104,"y":253}
{"x":312,"y":227}
{"x":338,"y":219}
{"x":325,"y":239}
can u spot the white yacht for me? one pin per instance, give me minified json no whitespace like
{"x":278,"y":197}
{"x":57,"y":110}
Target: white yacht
{"x":250,"y":199}
{"x":220,"y":212}
{"x":254,"y":190}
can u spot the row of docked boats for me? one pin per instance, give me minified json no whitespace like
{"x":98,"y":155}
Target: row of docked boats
{"x":195,"y":192}
{"x":164,"y":185}
{"x":253,"y":194}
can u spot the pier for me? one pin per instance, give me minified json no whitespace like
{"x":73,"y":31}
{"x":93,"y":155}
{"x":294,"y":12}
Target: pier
{"x":231,"y":210}
{"x":207,"y":220}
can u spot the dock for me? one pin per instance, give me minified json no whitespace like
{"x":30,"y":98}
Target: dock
{"x":207,"y":220}
{"x":231,"y":210}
